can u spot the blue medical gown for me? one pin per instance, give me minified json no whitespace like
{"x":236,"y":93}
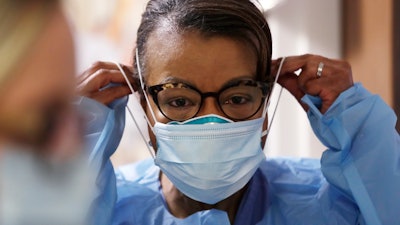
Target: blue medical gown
{"x":357,"y":180}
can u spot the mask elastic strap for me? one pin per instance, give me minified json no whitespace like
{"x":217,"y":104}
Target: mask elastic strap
{"x":151,"y":151}
{"x":268,"y":102}
{"x":133,"y":92}
{"x":143,"y":88}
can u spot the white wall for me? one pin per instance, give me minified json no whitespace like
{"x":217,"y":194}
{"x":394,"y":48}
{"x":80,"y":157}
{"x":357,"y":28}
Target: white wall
{"x":299,"y":27}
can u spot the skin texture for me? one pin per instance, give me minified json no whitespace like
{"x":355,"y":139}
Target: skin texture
{"x":40,"y":88}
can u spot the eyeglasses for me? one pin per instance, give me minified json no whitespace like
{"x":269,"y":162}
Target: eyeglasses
{"x":238,"y":101}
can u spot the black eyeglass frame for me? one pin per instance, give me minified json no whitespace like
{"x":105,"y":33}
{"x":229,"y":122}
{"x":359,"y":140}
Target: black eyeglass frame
{"x":266,"y":88}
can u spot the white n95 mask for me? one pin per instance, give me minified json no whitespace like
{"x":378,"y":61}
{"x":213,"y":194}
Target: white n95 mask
{"x":209,"y":158}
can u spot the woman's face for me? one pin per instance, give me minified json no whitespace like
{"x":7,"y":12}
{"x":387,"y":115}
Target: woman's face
{"x":206,"y":63}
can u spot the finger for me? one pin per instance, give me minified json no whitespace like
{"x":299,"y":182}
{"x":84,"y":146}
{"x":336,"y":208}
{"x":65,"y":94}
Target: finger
{"x":95,"y":67}
{"x":334,"y":78}
{"x":309,"y":82}
{"x":326,"y":89}
{"x":295,"y":63}
{"x":107,"y":66}
{"x":318,"y":87}
{"x":99,"y":68}
{"x":134,"y":81}
{"x":100,"y":79}
{"x":110,"y":94}
{"x":308,"y":73}
{"x":127,"y":69}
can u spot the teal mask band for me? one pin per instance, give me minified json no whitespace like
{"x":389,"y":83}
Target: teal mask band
{"x":207,"y":119}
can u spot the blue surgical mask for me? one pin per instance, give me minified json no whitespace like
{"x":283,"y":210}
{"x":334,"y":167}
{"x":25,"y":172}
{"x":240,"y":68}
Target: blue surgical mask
{"x":209,"y":158}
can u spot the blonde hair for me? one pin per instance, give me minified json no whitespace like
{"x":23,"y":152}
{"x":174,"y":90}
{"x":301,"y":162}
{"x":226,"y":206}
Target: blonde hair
{"x":21,"y":21}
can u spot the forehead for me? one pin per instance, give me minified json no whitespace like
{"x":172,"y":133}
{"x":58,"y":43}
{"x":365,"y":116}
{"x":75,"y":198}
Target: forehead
{"x":207,"y":62}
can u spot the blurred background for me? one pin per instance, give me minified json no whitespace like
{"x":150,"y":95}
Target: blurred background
{"x":365,"y":33}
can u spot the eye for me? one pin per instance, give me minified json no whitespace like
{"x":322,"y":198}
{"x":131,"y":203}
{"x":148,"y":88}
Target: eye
{"x":180,"y":102}
{"x":237,"y":100}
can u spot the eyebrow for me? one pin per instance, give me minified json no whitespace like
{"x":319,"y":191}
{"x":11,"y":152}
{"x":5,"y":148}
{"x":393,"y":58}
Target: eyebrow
{"x":172,"y":79}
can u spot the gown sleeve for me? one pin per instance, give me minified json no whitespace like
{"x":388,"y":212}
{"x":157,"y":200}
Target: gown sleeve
{"x":103,"y":131}
{"x":363,"y":156}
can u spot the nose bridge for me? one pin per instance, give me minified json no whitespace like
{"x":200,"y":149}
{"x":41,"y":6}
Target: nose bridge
{"x":210,"y":105}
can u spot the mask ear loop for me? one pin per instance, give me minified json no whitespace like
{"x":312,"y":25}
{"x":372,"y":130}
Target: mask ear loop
{"x":143,"y":88}
{"x":151,"y":151}
{"x":268,"y":102}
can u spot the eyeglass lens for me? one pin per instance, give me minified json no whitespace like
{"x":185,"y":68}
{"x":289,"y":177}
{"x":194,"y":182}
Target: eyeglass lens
{"x":237,"y":102}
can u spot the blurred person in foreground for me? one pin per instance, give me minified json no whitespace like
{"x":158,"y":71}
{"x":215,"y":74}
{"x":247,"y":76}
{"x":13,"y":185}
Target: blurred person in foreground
{"x":42,"y":177}
{"x":203,"y":73}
